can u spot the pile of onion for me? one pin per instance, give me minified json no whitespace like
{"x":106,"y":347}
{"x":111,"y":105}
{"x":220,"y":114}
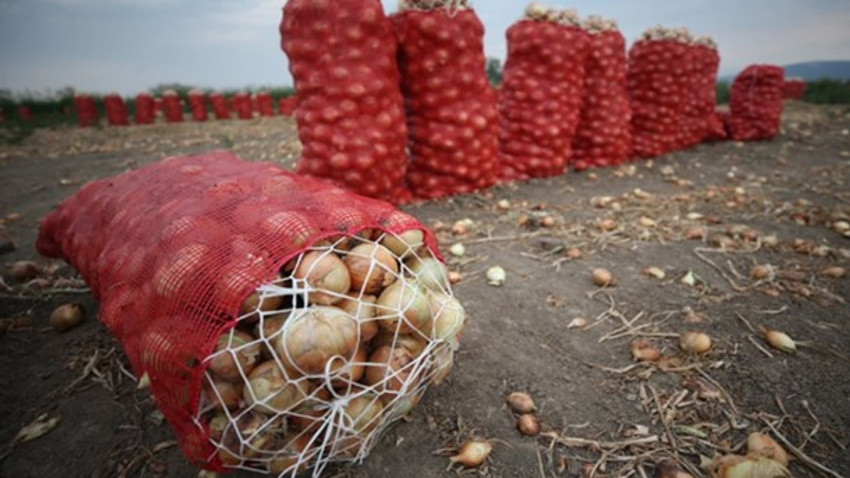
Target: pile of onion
{"x":324,"y":357}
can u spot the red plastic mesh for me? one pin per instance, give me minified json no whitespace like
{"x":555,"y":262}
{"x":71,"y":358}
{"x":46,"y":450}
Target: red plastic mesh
{"x":657,"y":80}
{"x":265,"y":106}
{"x":116,"y":110}
{"x":603,"y":137}
{"x":198,"y":105}
{"x":144,"y":109}
{"x":86,"y":110}
{"x":242,"y":106}
{"x":342,"y":56}
{"x":451,"y":109}
{"x":172,"y":108}
{"x":219,"y":106}
{"x":541,"y":98}
{"x":755,"y":103}
{"x":154,"y":243}
{"x":794,"y":89}
{"x":286,"y":106}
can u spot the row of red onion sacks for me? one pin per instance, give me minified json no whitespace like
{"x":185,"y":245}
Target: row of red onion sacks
{"x":282,"y":323}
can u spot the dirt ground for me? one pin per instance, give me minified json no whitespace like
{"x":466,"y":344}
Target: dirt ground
{"x":777,"y":203}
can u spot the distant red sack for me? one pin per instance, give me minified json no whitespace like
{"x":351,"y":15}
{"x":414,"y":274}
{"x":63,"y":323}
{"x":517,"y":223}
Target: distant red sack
{"x":603,"y":137}
{"x":171,"y":107}
{"x":794,"y":88}
{"x":198,"y":105}
{"x":86,"y":110}
{"x":219,"y":106}
{"x":265,"y":106}
{"x":700,"y":121}
{"x":350,"y":114}
{"x":172,"y":249}
{"x":286,"y":106}
{"x":541,"y":97}
{"x":451,"y":109}
{"x":242,"y":106}
{"x":144,"y":106}
{"x":755,"y":103}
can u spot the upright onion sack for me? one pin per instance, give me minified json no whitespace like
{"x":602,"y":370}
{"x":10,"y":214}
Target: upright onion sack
{"x":451,"y":109}
{"x":350,"y":115}
{"x":283,"y":323}
{"x":700,"y":121}
{"x":657,"y":82}
{"x":219,"y":106}
{"x":116,"y":110}
{"x":794,"y":88}
{"x":755,"y":103}
{"x":172,"y":108}
{"x":145,"y":112}
{"x":541,"y":93}
{"x":603,"y":137}
{"x":86,"y":110}
{"x":198,"y":105}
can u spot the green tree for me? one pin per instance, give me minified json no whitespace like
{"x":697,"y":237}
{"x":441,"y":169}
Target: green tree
{"x":494,"y":71}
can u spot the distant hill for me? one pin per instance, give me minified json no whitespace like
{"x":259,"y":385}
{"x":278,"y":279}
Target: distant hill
{"x":815,"y":70}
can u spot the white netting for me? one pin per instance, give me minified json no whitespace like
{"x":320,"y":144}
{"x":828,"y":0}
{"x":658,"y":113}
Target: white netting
{"x":324,"y":358}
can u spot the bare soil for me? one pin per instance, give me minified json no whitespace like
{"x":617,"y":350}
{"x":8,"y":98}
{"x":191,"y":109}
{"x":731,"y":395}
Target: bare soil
{"x":599,"y":408}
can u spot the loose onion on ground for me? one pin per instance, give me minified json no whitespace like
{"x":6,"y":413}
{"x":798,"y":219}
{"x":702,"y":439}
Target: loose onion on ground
{"x":67,"y":316}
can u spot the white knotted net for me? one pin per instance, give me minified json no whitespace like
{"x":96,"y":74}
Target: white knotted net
{"x":324,"y":358}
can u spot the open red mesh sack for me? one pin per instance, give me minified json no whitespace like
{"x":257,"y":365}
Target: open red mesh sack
{"x":451,"y":109}
{"x":171,"y":107}
{"x":541,"y":94}
{"x":219,"y":106}
{"x":198,"y":105}
{"x":265,"y":105}
{"x":86,"y":110}
{"x":603,"y":137}
{"x":188,"y":257}
{"x":144,"y":109}
{"x":116,"y":110}
{"x":286,"y":106}
{"x":794,"y":88}
{"x":658,"y":78}
{"x":755,"y":103}
{"x":342,"y":56}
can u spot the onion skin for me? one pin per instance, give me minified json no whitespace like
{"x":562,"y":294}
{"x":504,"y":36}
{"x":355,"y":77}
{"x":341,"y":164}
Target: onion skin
{"x":371,"y":267}
{"x":644,"y":351}
{"x":412,"y":342}
{"x":448,"y":317}
{"x":324,"y":271}
{"x":224,"y":364}
{"x":528,"y":425}
{"x":230,"y":393}
{"x":350,"y":371}
{"x":472,"y":453}
{"x":317,"y":334}
{"x":603,"y":277}
{"x":267,"y":381}
{"x":430,"y":272}
{"x":762,"y":445}
{"x":362,"y":309}
{"x":520,"y":402}
{"x":669,"y":469}
{"x":404,"y":300}
{"x":695,"y":342}
{"x":67,"y":316}
{"x":403,"y":244}
{"x":387,"y":375}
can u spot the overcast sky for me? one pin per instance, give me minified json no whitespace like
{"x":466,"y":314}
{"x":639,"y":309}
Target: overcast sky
{"x":132,"y":45}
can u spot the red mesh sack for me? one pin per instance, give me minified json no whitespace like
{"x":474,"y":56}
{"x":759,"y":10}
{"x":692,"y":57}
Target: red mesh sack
{"x":699,"y":121}
{"x":24,"y":113}
{"x":350,"y":116}
{"x":86,"y":110}
{"x":116,"y":110}
{"x":206,"y":266}
{"x":171,"y":107}
{"x":219,"y":106}
{"x":265,"y":106}
{"x":541,"y":94}
{"x":755,"y":103}
{"x":242,"y":106}
{"x":451,"y":109}
{"x":145,"y":112}
{"x":286,"y":106}
{"x":198,"y":105}
{"x":657,"y":83}
{"x":794,"y":88}
{"x":603,"y":137}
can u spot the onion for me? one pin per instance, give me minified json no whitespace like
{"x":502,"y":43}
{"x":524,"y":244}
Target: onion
{"x":520,"y":402}
{"x":528,"y":425}
{"x":448,"y":316}
{"x":602,"y":277}
{"x":23,"y":271}
{"x":218,"y":423}
{"x":403,"y":244}
{"x":833,"y":272}
{"x":269,"y":327}
{"x":67,"y":316}
{"x":405,"y":307}
{"x":695,"y":342}
{"x":363,"y":413}
{"x":472,"y":453}
{"x":644,"y":351}
{"x":254,"y":431}
{"x":273,"y":392}
{"x":363,"y":310}
{"x":733,"y":466}
{"x":762,"y":445}
{"x":574,"y":253}
{"x":443,"y":363}
{"x":310,"y":339}
{"x":324,"y":272}
{"x":414,"y":343}
{"x":384,"y":371}
{"x":253,"y":304}
{"x":457,"y":250}
{"x":234,"y":352}
{"x":496,"y":276}
{"x":287,"y":459}
{"x":348,"y":372}
{"x":430,"y":272}
{"x":778,"y":340}
{"x":372,"y":267}
{"x":669,"y":469}
{"x":761,"y":272}
{"x":308,"y":416}
{"x":655,"y":272}
{"x":228,"y":396}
